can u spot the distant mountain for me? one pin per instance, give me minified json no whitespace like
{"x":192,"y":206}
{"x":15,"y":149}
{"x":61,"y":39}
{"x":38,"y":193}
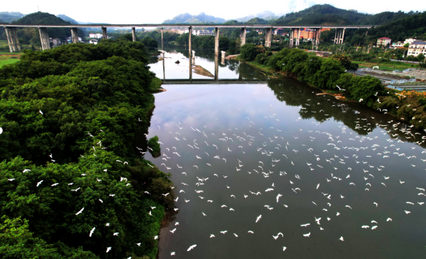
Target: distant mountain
{"x":189,"y":18}
{"x":265,"y":15}
{"x":47,"y":18}
{"x":9,"y":17}
{"x":329,"y":15}
{"x":67,"y":18}
{"x":322,"y":15}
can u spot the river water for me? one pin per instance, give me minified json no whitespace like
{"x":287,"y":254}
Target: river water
{"x":251,"y":161}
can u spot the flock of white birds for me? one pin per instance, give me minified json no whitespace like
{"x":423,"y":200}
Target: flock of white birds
{"x":275,"y":169}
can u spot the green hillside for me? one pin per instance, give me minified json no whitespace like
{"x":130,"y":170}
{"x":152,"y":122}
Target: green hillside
{"x":189,"y":18}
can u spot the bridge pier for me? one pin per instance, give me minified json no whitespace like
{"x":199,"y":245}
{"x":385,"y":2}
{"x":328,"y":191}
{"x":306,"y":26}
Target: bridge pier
{"x":243,"y":35}
{"x":297,"y":37}
{"x":339,"y":35}
{"x":12,"y":39}
{"x":268,"y":37}
{"x":74,"y":35}
{"x":291,"y":38}
{"x":133,"y":34}
{"x":162,"y":39}
{"x":189,"y":41}
{"x":44,"y":38}
{"x":317,"y":37}
{"x":104,"y":33}
{"x":216,"y":41}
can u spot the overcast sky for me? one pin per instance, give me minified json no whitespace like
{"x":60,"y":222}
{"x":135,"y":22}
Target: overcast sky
{"x":152,"y":11}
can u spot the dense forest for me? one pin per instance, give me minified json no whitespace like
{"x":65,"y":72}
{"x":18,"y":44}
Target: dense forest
{"x":73,"y":181}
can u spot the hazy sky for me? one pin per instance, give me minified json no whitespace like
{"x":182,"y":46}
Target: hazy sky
{"x":152,"y":11}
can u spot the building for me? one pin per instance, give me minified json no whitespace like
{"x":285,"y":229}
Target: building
{"x":416,"y":48}
{"x":203,"y":32}
{"x":93,"y":41}
{"x":401,"y":44}
{"x":95,"y":35}
{"x":384,"y":41}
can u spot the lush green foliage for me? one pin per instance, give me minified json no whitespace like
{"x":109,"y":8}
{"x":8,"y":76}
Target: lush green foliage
{"x":155,"y":146}
{"x":71,"y":118}
{"x":250,"y":51}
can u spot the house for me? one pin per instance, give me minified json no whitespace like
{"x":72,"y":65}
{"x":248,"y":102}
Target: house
{"x":95,"y":35}
{"x":203,"y":32}
{"x":93,"y":41}
{"x":383,"y":41}
{"x":56,"y":42}
{"x":416,"y":48}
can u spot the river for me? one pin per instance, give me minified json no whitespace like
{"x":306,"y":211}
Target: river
{"x":272,"y":170}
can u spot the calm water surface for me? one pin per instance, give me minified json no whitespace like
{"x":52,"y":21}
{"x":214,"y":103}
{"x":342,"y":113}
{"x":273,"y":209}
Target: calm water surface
{"x":252,"y":161}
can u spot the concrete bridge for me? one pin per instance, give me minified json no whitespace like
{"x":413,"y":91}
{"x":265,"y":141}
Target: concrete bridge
{"x":12,"y":37}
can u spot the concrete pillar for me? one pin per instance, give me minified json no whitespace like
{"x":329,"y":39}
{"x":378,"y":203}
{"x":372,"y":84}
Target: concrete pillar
{"x":189,"y":42}
{"x":12,"y":39}
{"x":162,"y":39}
{"x":243,"y":35}
{"x":318,"y":38}
{"x":133,"y":34}
{"x":104,"y":33}
{"x":44,"y":38}
{"x":342,"y":36}
{"x":74,"y":35}
{"x":291,"y":37}
{"x":297,"y":37}
{"x":216,"y":67}
{"x":222,"y":60}
{"x":268,"y":37}
{"x":335,"y":36}
{"x":216,"y":41}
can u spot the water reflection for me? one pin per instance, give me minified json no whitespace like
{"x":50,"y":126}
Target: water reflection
{"x":315,"y":169}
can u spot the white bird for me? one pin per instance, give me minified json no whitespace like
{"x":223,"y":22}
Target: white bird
{"x":108,"y":249}
{"x":211,"y":235}
{"x":91,"y":231}
{"x":223,"y":231}
{"x":258,"y":218}
{"x":115,"y":234}
{"x":250,"y":232}
{"x":80,"y":211}
{"x":38,"y":183}
{"x":284,"y":248}
{"x":173,"y":231}
{"x":172,"y":253}
{"x":278,"y":196}
{"x":191,"y":247}
{"x":307,"y":234}
{"x":341,"y":238}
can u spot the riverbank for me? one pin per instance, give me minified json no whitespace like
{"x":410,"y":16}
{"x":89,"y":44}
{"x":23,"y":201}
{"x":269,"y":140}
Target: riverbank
{"x":407,"y":107}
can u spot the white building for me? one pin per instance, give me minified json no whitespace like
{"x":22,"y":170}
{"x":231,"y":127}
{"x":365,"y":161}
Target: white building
{"x":95,"y":35}
{"x":202,"y":32}
{"x":416,"y":48}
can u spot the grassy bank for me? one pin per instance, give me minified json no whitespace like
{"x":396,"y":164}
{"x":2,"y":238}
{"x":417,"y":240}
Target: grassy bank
{"x":387,"y":66}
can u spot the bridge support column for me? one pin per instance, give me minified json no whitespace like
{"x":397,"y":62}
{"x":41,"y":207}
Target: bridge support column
{"x":189,"y":41}
{"x":74,"y":35}
{"x":162,"y":39}
{"x":12,"y":39}
{"x":297,"y":37}
{"x":216,"y":67}
{"x":44,"y":38}
{"x":216,"y":41}
{"x":133,"y":34}
{"x":318,"y":37}
{"x":104,"y":33}
{"x":342,"y":36}
{"x":243,"y":36}
{"x":291,"y":38}
{"x":190,"y":51}
{"x":268,"y":37}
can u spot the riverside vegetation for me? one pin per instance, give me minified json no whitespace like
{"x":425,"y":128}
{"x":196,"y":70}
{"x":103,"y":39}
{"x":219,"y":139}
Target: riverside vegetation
{"x":329,"y":74}
{"x":73,"y":184}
